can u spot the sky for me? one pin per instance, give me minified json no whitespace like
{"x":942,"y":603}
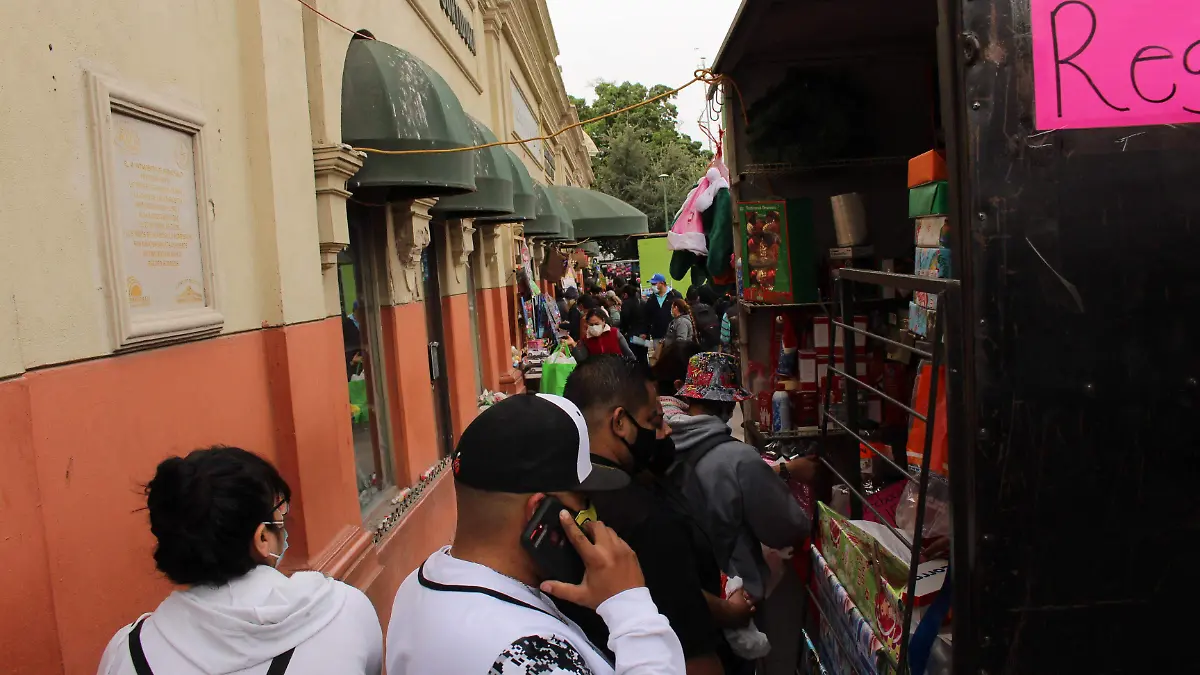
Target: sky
{"x":647,"y":41}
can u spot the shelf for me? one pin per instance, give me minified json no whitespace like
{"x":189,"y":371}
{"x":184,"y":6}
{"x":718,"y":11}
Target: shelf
{"x":788,"y":168}
{"x":802,"y":432}
{"x":750,"y":305}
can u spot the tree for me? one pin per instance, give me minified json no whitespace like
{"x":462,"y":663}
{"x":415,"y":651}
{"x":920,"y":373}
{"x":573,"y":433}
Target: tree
{"x":638,"y":146}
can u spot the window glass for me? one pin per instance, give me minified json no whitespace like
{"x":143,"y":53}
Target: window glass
{"x":525,"y":122}
{"x":473,"y":313}
{"x":361,"y":336}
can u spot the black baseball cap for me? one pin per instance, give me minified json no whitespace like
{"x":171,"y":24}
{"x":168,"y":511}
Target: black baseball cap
{"x":531,"y":443}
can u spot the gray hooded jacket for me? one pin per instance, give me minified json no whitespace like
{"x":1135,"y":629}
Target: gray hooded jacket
{"x":738,"y":499}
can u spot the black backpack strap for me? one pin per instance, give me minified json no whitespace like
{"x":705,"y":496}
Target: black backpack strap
{"x":140,"y":666}
{"x":280,"y":663}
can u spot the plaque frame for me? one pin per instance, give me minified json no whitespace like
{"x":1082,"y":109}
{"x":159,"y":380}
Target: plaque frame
{"x":108,"y":96}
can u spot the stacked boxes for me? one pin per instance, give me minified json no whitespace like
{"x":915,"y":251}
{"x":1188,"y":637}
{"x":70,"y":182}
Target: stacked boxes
{"x":928,"y":206}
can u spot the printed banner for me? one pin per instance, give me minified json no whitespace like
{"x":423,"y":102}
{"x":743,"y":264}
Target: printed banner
{"x":1115,"y":63}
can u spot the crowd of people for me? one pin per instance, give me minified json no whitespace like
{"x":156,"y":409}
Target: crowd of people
{"x":669,"y":501}
{"x":615,"y":317}
{"x":659,"y":506}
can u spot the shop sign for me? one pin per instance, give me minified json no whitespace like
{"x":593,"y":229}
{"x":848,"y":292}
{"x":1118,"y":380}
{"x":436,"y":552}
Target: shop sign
{"x":1115,"y":63}
{"x":461,"y":21}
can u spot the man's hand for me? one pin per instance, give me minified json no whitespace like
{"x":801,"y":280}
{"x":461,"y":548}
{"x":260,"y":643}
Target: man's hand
{"x":611,"y":566}
{"x":803,"y":469}
{"x":570,"y":341}
{"x":740,"y":608}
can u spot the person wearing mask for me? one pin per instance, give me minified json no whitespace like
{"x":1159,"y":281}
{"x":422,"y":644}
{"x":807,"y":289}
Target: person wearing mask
{"x":669,"y":373}
{"x":743,"y":502}
{"x":600,"y":338}
{"x":220,"y":519}
{"x":627,"y":430}
{"x":483,"y":605}
{"x":658,"y":307}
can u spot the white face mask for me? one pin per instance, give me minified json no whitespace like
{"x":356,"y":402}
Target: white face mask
{"x":596,"y":330}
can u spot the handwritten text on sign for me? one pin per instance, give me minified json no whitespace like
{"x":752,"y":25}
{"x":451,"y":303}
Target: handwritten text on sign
{"x":1116,"y":63}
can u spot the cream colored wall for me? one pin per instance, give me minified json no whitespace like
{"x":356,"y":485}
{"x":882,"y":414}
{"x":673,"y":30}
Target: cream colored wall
{"x":210,"y":55}
{"x":512,"y":70}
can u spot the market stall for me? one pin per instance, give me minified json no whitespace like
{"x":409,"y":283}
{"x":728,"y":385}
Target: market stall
{"x":842,"y":253}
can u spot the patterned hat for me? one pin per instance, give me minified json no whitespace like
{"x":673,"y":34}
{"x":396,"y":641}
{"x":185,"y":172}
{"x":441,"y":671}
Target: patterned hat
{"x":713,"y":376}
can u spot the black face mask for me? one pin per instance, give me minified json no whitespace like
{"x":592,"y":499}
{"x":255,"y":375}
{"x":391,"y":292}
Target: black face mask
{"x":650,"y":452}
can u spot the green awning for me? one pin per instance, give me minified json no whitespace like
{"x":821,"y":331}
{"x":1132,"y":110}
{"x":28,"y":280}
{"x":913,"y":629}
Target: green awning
{"x":552,"y":221}
{"x":524,"y":200}
{"x":595,"y":214}
{"x":493,"y":194}
{"x":391,"y":100}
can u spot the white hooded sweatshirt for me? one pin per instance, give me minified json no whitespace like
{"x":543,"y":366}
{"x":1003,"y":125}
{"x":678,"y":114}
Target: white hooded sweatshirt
{"x":238,"y":628}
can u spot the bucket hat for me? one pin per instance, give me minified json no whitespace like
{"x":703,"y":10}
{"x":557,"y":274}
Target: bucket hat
{"x":713,"y":376}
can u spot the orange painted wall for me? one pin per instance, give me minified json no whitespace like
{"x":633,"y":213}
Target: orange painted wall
{"x":427,"y":527}
{"x":311,"y":423}
{"x":494,"y":334}
{"x":77,"y":442}
{"x":98,"y":429}
{"x":460,"y":360}
{"x":410,"y":398}
{"x":28,"y":631}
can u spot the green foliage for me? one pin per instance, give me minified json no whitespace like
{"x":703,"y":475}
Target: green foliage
{"x":638,"y":146}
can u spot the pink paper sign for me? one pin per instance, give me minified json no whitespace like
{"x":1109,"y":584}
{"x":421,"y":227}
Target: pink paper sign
{"x":1115,"y":63}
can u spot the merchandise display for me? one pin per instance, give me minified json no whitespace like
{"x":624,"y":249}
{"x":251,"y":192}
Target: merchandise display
{"x":927,"y":168}
{"x":932,"y":199}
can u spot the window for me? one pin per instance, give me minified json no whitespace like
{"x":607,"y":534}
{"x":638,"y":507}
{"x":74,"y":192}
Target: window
{"x":359,"y":276}
{"x":549,"y":163}
{"x":525,"y":123}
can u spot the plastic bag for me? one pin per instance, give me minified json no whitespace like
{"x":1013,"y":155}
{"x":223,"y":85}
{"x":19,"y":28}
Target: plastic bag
{"x":746,"y":642}
{"x":937,"y":510}
{"x":556,"y":369}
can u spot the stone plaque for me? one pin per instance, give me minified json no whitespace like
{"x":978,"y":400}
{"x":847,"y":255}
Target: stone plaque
{"x":156,"y":212}
{"x":150,"y":157}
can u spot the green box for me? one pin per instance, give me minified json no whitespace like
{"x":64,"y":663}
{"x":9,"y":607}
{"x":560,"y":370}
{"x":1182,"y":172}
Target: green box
{"x":932,"y":199}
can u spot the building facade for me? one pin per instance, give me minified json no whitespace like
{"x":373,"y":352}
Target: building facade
{"x":185,"y":267}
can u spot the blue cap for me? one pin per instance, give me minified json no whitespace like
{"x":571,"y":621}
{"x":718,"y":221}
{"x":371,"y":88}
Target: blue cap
{"x":658,"y":279}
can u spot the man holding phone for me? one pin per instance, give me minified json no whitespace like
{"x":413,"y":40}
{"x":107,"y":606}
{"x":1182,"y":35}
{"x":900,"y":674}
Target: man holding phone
{"x":481,"y":605}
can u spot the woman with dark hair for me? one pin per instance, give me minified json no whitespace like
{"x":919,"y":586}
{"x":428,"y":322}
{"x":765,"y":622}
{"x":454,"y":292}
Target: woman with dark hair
{"x":682,"y":327}
{"x":599,"y":338}
{"x":220,"y":518}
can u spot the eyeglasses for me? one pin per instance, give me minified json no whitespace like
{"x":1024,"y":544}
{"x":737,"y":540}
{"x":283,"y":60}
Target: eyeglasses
{"x":283,"y":507}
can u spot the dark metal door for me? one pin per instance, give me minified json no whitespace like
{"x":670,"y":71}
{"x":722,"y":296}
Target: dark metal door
{"x":439,"y":381}
{"x":1078,"y":259}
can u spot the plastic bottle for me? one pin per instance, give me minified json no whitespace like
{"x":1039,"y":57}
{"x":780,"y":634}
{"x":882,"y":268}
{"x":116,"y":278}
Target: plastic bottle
{"x":781,"y":410}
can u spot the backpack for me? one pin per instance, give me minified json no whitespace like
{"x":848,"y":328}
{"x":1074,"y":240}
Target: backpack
{"x":708,"y":327}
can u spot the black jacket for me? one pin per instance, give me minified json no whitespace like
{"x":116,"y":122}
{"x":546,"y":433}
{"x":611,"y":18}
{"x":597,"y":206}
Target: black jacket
{"x":660,"y":315}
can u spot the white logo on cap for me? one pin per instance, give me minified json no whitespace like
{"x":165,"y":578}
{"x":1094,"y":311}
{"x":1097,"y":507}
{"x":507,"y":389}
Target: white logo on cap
{"x":583,"y":461}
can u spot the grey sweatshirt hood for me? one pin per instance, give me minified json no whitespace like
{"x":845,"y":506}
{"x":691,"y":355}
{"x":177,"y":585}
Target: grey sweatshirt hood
{"x":691,"y":432}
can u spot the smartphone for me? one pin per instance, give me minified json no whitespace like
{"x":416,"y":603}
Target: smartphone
{"x":547,"y":544}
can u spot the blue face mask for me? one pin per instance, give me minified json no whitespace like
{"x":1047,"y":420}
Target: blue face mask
{"x":279,"y":556}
